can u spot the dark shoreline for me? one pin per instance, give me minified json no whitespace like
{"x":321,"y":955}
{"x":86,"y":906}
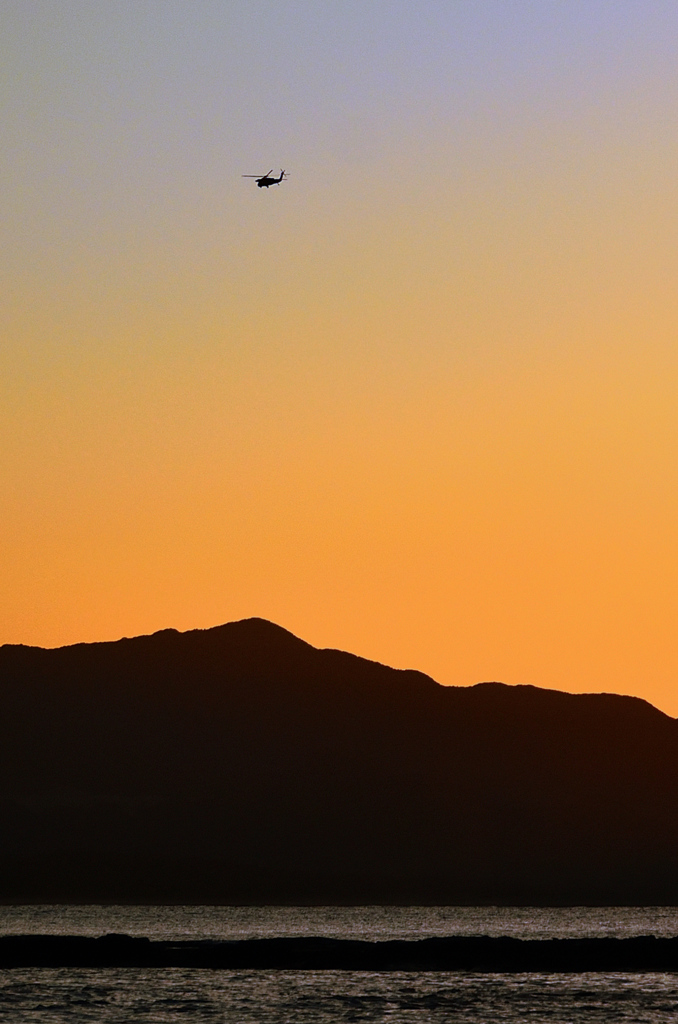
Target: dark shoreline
{"x":481,"y":954}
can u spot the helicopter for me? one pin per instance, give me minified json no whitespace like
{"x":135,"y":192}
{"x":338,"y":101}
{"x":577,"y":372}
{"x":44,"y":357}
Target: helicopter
{"x":264,"y":180}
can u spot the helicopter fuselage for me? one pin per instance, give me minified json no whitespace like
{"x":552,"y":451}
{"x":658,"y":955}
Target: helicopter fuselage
{"x":266,"y":181}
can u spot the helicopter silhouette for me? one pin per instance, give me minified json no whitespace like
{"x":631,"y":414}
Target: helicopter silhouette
{"x":264,"y":180}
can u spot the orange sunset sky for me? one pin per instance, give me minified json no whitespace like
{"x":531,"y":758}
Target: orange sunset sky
{"x":418,"y":402}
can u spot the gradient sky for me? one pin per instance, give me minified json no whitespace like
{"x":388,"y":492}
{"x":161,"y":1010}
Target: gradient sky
{"x":419,"y":402}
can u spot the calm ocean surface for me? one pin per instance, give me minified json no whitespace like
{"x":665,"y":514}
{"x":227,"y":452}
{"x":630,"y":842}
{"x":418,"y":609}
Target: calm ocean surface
{"x":47,"y":996}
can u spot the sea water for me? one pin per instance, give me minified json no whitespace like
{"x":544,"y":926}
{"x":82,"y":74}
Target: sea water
{"x":52,"y":996}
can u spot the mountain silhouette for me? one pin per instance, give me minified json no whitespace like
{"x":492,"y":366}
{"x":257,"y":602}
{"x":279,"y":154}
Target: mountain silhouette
{"x":242,"y":765}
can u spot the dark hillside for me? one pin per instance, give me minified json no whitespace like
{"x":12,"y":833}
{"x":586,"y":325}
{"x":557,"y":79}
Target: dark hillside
{"x":240,"y":764}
